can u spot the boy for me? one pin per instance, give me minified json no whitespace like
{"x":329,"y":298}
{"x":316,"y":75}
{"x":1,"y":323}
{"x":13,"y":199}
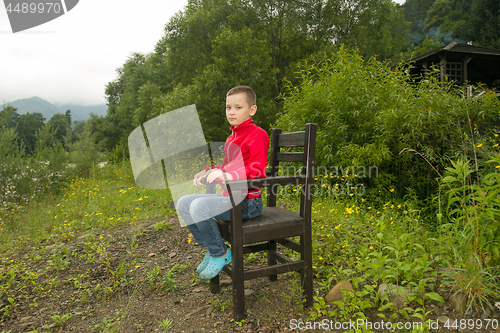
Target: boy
{"x":245,"y":157}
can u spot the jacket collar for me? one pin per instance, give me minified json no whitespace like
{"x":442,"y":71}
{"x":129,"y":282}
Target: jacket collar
{"x":242,"y":126}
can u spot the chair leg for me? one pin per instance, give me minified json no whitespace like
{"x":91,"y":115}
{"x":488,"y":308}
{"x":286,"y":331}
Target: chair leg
{"x":306,"y":281}
{"x":239,"y":298}
{"x":308,"y":287}
{"x":307,"y":272}
{"x":238,"y":269}
{"x":271,"y":260}
{"x":214,"y":285}
{"x":238,"y":281}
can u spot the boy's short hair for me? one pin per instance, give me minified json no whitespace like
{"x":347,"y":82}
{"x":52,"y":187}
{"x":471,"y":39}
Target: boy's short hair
{"x":251,"y":97}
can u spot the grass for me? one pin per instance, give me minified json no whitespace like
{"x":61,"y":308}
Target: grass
{"x":106,"y":200}
{"x":364,"y":242}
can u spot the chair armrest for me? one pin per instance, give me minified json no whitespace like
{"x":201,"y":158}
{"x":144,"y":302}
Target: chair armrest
{"x":240,"y":185}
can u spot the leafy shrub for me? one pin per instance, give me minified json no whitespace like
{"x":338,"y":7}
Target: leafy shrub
{"x":84,"y":153}
{"x":368,"y":113}
{"x":24,"y":177}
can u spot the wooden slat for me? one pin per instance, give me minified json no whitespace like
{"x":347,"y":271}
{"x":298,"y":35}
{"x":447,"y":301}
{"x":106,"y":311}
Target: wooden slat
{"x":294,"y":139}
{"x":263,"y":182}
{"x":286,"y":267}
{"x":290,"y":157}
{"x":276,"y":269}
{"x":254,"y":235}
{"x":273,"y":223}
{"x":281,"y":258}
{"x":255,"y":248}
{"x":273,"y":163}
{"x":294,"y":246}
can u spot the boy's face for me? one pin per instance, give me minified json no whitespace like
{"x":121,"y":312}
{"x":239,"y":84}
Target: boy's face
{"x":238,"y":110}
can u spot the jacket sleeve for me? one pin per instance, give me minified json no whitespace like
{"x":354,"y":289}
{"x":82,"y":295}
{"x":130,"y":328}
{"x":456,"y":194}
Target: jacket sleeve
{"x":250,"y":160}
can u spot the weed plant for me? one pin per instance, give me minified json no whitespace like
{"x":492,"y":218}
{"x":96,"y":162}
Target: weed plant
{"x":472,"y":206}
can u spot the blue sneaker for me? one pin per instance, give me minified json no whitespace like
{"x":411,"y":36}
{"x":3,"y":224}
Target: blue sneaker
{"x":215,"y":266}
{"x":203,"y":264}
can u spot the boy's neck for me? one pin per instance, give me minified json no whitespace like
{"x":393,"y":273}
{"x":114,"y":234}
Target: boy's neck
{"x":235,"y":126}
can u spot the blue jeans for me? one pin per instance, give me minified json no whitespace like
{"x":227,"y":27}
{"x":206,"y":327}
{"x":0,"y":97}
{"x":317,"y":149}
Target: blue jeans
{"x":199,"y":210}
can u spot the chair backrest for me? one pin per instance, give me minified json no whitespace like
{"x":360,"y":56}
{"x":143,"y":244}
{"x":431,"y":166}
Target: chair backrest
{"x":305,"y":139}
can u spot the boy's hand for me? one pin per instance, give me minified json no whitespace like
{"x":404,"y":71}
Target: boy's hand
{"x":218,"y":174}
{"x":199,"y":177}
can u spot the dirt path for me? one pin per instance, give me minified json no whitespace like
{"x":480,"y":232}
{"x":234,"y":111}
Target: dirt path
{"x":141,"y":278}
{"x":132,"y":279}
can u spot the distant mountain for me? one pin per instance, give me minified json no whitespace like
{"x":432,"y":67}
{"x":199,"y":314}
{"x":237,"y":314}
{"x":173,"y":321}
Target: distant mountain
{"x":37,"y":104}
{"x":82,"y":112}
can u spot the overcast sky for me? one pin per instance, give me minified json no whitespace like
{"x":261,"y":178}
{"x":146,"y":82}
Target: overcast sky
{"x":70,"y":59}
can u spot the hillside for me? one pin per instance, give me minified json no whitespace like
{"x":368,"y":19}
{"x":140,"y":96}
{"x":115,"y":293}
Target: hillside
{"x":82,"y":112}
{"x":37,"y":104}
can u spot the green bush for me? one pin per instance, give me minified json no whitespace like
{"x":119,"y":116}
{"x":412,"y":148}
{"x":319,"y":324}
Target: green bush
{"x":24,"y":177}
{"x":85,"y":153}
{"x":11,"y":165}
{"x":370,"y":115}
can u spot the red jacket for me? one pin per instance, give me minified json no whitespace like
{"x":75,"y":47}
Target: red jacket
{"x":245,"y":155}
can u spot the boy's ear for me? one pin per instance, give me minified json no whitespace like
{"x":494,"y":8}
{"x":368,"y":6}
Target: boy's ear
{"x":253,"y":110}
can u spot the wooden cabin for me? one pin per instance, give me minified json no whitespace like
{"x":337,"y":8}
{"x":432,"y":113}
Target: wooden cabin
{"x":462,"y":63}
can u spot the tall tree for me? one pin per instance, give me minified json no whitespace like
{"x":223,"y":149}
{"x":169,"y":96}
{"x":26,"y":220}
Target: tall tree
{"x":187,"y":43}
{"x":8,"y":117}
{"x":277,"y":22}
{"x":122,"y":99}
{"x":28,"y":126}
{"x":485,"y":23}
{"x":477,"y":21}
{"x":376,"y":27}
{"x":239,"y":58}
{"x":77,"y":129}
{"x":61,"y":127}
{"x":68,"y":116}
{"x":415,"y":12}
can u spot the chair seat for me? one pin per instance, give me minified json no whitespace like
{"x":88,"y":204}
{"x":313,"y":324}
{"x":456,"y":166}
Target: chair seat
{"x":273,"y":223}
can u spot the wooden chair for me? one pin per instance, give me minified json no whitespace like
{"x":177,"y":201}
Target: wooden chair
{"x":275,"y":224}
